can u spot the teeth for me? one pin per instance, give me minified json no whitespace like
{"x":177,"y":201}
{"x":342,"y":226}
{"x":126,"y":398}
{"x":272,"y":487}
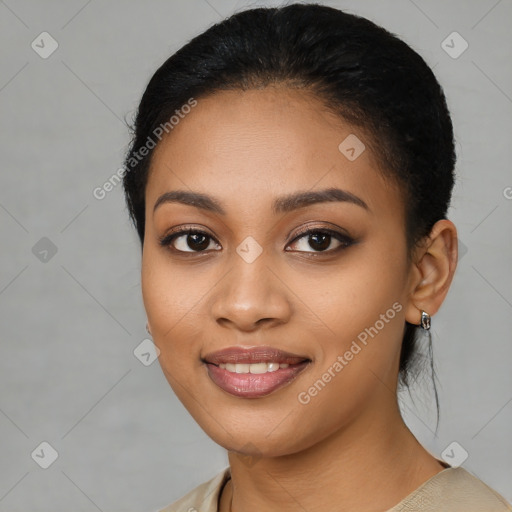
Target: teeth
{"x":257,"y":368}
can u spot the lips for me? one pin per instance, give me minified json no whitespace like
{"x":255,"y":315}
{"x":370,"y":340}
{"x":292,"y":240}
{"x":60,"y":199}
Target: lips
{"x":254,"y":372}
{"x":239,"y":355}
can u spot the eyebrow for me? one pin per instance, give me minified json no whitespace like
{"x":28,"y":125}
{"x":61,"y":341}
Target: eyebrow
{"x":283,"y":204}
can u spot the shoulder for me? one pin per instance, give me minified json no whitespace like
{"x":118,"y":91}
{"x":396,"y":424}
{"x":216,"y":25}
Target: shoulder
{"x":203,"y":498}
{"x":454,"y":490}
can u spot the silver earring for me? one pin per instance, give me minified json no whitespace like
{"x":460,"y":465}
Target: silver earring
{"x":425,"y":321}
{"x":147,"y":329}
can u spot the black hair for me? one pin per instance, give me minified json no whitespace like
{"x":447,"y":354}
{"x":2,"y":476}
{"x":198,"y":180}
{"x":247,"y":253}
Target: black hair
{"x":360,"y":71}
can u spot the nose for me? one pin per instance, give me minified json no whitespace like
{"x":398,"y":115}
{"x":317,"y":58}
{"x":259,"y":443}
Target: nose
{"x":250,"y":296}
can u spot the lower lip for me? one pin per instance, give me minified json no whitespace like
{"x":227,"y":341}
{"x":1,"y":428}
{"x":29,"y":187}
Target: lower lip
{"x":252,"y":385}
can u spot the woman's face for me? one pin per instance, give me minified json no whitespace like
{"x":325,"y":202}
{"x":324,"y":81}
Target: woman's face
{"x":330,"y":304}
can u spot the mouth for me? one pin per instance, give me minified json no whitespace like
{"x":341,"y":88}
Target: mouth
{"x":253,"y":373}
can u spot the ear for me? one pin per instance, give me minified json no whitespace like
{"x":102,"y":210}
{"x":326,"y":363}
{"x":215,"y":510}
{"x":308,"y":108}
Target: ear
{"x":432,"y":270}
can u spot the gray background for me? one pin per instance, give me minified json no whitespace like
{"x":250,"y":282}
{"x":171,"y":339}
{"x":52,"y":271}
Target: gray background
{"x":70,"y":321}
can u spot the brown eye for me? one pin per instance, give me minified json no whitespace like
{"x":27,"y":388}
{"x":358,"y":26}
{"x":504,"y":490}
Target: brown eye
{"x":189,"y":240}
{"x":321,"y":241}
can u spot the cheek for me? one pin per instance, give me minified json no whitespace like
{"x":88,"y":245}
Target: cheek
{"x":170,"y":291}
{"x":362,"y":307}
{"x":172,"y":300}
{"x":173,"y":304}
{"x":353,"y":295}
{"x":357,"y":364}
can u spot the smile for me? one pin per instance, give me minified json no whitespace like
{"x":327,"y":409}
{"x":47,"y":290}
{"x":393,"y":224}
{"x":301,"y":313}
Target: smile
{"x":256,"y":368}
{"x":253,"y":373}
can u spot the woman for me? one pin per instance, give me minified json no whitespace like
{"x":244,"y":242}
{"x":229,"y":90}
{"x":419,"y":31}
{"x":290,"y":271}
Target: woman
{"x":289,"y":178}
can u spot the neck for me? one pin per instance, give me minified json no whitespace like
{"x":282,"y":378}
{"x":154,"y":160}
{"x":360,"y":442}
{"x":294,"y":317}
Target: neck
{"x":370,"y":465}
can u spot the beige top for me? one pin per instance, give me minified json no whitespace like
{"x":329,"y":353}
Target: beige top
{"x":451,"y":490}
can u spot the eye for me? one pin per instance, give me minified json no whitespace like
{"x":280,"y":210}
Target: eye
{"x":193,"y":240}
{"x":188,"y":240}
{"x":321,"y":240}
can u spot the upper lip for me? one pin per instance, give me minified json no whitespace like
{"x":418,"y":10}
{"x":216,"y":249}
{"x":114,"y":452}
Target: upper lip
{"x":244,"y":355}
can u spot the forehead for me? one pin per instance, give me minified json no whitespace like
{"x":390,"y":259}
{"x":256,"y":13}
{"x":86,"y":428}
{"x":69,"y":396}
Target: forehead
{"x":265,"y":142}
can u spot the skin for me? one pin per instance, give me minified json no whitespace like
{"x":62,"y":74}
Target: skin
{"x":245,"y":148}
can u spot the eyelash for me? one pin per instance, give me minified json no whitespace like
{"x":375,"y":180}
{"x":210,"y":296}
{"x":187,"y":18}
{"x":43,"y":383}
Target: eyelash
{"x":345,"y":240}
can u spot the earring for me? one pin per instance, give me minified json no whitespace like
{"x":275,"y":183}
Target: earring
{"x":147,"y":329}
{"x":425,"y":321}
